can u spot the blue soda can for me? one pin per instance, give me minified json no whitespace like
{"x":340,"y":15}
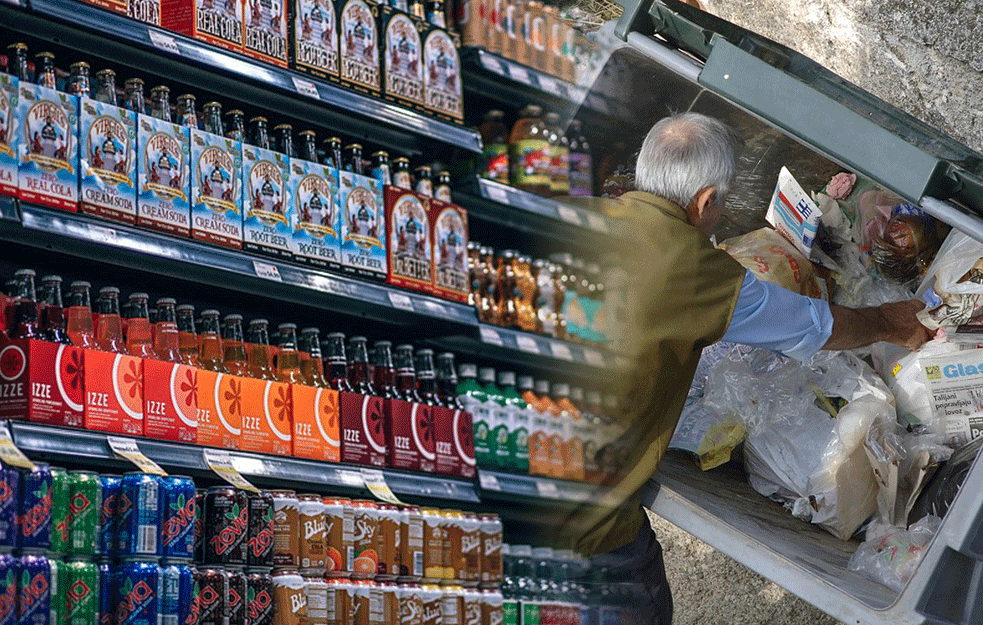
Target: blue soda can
{"x":108,"y":537}
{"x":37,"y":590}
{"x":136,"y":586}
{"x":177,"y":532}
{"x":37,"y":489}
{"x":10,"y":492}
{"x":177,"y":592}
{"x":8,"y":589}
{"x":138,"y":511}
{"x":107,"y":611}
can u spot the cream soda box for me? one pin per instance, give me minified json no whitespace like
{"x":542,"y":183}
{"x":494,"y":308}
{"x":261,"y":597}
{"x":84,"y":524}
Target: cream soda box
{"x":216,"y":189}
{"x":316,"y":236}
{"x":163,"y":172}
{"x":266,"y":205}
{"x":265,"y":30}
{"x":8,"y":134}
{"x":442,"y":76}
{"x":108,"y":160}
{"x":358,"y":45}
{"x":402,"y":57}
{"x":48,"y":147}
{"x":315,"y":38}
{"x":363,"y":225}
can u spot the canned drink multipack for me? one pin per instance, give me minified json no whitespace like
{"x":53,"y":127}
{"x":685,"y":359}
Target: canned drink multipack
{"x":138,"y":511}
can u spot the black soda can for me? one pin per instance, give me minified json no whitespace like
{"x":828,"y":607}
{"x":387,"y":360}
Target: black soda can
{"x":199,"y":528}
{"x":235,"y":607}
{"x":225,"y":525}
{"x":213,"y":596}
{"x":259,"y":551}
{"x":259,"y":606}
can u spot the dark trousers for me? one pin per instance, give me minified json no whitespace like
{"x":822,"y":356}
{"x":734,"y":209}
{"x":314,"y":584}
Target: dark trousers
{"x":640,"y":566}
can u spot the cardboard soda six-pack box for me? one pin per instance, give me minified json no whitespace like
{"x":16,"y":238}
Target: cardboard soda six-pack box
{"x":108,"y":161}
{"x":442,"y":76}
{"x":220,"y":403}
{"x":216,"y":189}
{"x":363,"y":429}
{"x":113,"y":393}
{"x":42,"y":382}
{"x":401,"y":39}
{"x":409,"y":244}
{"x":316,"y":237}
{"x":449,"y":232}
{"x":9,"y":159}
{"x":314,"y":47}
{"x":454,"y":438}
{"x":363,"y":225}
{"x":358,"y":46}
{"x":48,"y":146}
{"x":163,"y":172}
{"x":265,"y":30}
{"x":170,"y":401}
{"x":266,"y":225}
{"x":218,"y":22}
{"x":410,"y":435}
{"x":267,"y":417}
{"x":317,"y":423}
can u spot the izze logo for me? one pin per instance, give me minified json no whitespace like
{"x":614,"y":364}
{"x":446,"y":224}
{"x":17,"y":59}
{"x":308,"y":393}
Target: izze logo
{"x":232,"y":533}
{"x":181,"y":519}
{"x":135,"y":597}
{"x":39,"y":514}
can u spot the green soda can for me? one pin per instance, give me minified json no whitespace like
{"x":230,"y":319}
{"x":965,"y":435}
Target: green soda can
{"x":78,"y":581}
{"x":84,"y":505}
{"x":60,"y":511}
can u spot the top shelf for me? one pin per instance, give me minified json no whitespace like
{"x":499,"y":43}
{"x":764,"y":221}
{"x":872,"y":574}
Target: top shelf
{"x":116,"y":38}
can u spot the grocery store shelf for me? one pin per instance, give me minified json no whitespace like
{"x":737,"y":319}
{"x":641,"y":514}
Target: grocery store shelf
{"x":498,"y":485}
{"x":56,"y":444}
{"x":100,"y":33}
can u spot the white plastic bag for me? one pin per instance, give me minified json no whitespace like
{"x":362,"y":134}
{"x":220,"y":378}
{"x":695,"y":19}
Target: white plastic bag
{"x":893,"y":559}
{"x":905,"y":377}
{"x":953,"y":285}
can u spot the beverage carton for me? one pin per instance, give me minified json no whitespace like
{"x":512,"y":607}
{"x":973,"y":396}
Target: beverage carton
{"x":363,"y":229}
{"x":147,"y":11}
{"x":317,"y":425}
{"x":410,"y":253}
{"x":496,"y":31}
{"x":537,"y":42}
{"x":442,"y":76}
{"x":449,"y":231}
{"x":42,"y":382}
{"x":410,"y":436}
{"x":108,"y":161}
{"x":8,"y":134}
{"x":316,"y":236}
{"x":170,"y":401}
{"x":113,"y":393}
{"x":454,"y":435}
{"x":216,"y":189}
{"x":363,"y":429}
{"x":267,"y":206}
{"x":358,"y":46}
{"x":402,"y":57}
{"x":267,"y":417}
{"x":554,"y":43}
{"x":116,"y":6}
{"x":540,"y":428}
{"x":220,"y":407}
{"x":218,"y":22}
{"x":48,"y":146}
{"x":472,"y":21}
{"x":265,"y":36}
{"x":163,"y":172}
{"x":315,"y":39}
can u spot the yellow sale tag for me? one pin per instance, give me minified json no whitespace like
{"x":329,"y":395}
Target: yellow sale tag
{"x":375,"y":481}
{"x":219,"y":461}
{"x":9,"y":453}
{"x":127,"y":448}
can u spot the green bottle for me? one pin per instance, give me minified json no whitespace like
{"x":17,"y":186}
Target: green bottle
{"x":474,"y":400}
{"x":518,"y":410}
{"x":499,"y":419}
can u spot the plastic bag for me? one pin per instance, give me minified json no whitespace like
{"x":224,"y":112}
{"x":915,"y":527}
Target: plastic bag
{"x":956,"y":280}
{"x":942,"y":489}
{"x":907,"y":244}
{"x":708,"y":437}
{"x":772,"y":258}
{"x":893,"y":559}
{"x":904,"y":375}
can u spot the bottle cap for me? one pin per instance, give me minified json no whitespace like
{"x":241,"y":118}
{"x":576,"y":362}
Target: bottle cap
{"x":28,"y":272}
{"x":51,"y":278}
{"x":310,"y":331}
{"x":234,"y":318}
{"x":166,"y":301}
{"x":106,"y":290}
{"x":287,"y":327}
{"x":542,"y":387}
{"x":561,"y":390}
{"x":80,"y":284}
{"x":257,"y":322}
{"x":254,"y":120}
{"x":138,"y":296}
{"x":577,"y":394}
{"x":283,"y":127}
{"x":336,"y":335}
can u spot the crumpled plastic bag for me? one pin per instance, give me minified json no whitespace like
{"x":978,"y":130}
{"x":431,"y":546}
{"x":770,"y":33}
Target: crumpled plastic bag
{"x":892,"y":559}
{"x":772,"y":258}
{"x":903,"y":372}
{"x":942,"y":489}
{"x":708,"y":437}
{"x":956,"y":282}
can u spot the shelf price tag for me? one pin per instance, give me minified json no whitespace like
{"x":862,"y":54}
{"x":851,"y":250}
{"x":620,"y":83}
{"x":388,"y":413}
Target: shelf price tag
{"x":520,"y":74}
{"x":163,"y":42}
{"x":547,"y":490}
{"x":549,"y":85}
{"x":266,"y":270}
{"x":9,"y":453}
{"x":492,"y":64}
{"x":492,"y":337}
{"x":527,"y":344}
{"x":403,"y":302}
{"x":375,"y":481}
{"x":488,"y":481}
{"x":568,"y":214}
{"x":306,"y":87}
{"x":561,"y":351}
{"x":220,"y":462}
{"x":352,"y":479}
{"x":596,"y":222}
{"x":127,"y":448}
{"x":594,"y":357}
{"x":498,"y":194}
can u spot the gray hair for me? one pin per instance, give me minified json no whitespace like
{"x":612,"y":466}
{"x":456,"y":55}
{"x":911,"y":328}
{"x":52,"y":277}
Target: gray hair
{"x":684,"y":154}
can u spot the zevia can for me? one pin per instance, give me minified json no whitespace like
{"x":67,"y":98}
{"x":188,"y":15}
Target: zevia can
{"x":177,"y":594}
{"x":107,"y":610}
{"x":199,"y":528}
{"x":10,"y":487}
{"x":339,"y":520}
{"x":37,"y":488}
{"x":311,"y":520}
{"x":224,"y":524}
{"x":84,"y":506}
{"x":61,"y":517}
{"x":235,"y":606}
{"x":286,"y":528}
{"x":260,"y":539}
{"x":137,"y":589}
{"x":289,"y":600}
{"x":108,"y":521}
{"x":78,"y":581}
{"x":177,"y":530}
{"x":37,"y":590}
{"x":259,"y":598}
{"x":8,"y":589}
{"x":213,"y":595}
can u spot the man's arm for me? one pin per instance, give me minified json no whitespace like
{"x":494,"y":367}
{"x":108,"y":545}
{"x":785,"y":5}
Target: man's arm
{"x":894,"y":323}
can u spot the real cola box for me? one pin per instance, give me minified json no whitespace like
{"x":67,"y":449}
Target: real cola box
{"x":266,"y":216}
{"x":170,"y":401}
{"x":9,"y":160}
{"x":48,"y":146}
{"x":363,"y":429}
{"x":454,"y":435}
{"x":267,"y":417}
{"x":265,"y":30}
{"x":220,"y":404}
{"x":410,"y":435}
{"x":314,"y":48}
{"x":449,"y":232}
{"x":442,"y":76}
{"x":113,"y":393}
{"x":218,"y":22}
{"x":363,"y":226}
{"x":316,"y":237}
{"x":116,"y":6}
{"x":163,"y":176}
{"x":317,"y":423}
{"x":216,"y":189}
{"x":147,"y":11}
{"x":358,"y":47}
{"x":401,"y":40}
{"x":108,"y":161}
{"x":409,"y":245}
{"x":42,"y":382}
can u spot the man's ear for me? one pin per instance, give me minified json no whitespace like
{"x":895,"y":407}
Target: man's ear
{"x":701,"y":203}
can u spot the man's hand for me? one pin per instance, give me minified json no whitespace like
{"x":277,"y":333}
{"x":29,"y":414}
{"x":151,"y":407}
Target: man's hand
{"x":895,"y":323}
{"x":906,"y":329}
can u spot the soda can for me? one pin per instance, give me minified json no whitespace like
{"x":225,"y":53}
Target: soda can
{"x":453,"y":521}
{"x":235,"y":606}
{"x":78,"y":581}
{"x":472,"y":607}
{"x":431,"y":600}
{"x":387,"y":539}
{"x":366,"y":526}
{"x":452,"y":604}
{"x":385,"y":602}
{"x":470,"y":548}
{"x":492,"y":607}
{"x":139,"y":513}
{"x":225,"y":523}
{"x":213,"y":594}
{"x":61,"y":514}
{"x":491,"y":548}
{"x":177,"y":593}
{"x":410,"y":544}
{"x":107,"y":611}
{"x":177,"y":534}
{"x":289,"y":600}
{"x":137,"y":588}
{"x":286,"y":528}
{"x":37,"y":588}
{"x":259,"y":598}
{"x":410,"y":604}
{"x":339,"y":521}
{"x":434,"y":535}
{"x":199,"y":529}
{"x":8,"y":589}
{"x":10,"y":495}
{"x":311,"y":520}
{"x":259,"y":552}
{"x":85,"y":510}
{"x":112,"y":486}
{"x":36,"y":509}
{"x":338,"y":609}
{"x":316,"y":595}
{"x":360,"y":597}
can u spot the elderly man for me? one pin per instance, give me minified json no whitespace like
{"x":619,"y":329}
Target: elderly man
{"x":688,"y":295}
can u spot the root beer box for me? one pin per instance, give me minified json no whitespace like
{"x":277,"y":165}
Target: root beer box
{"x":218,"y":22}
{"x":315,"y":38}
{"x":454,"y":435}
{"x":216,"y":189}
{"x":402,"y":57}
{"x":42,"y":382}
{"x":449,"y":232}
{"x":358,"y":45}
{"x":363,"y":228}
{"x":163,"y":172}
{"x":8,"y":134}
{"x":317,"y":426}
{"x":220,"y":404}
{"x":113,"y":393}
{"x":267,"y":417}
{"x":108,"y":161}
{"x":170,"y":401}
{"x":442,"y":76}
{"x":363,"y":429}
{"x":410,"y":435}
{"x":316,"y":238}
{"x":408,"y":239}
{"x":266,"y":210}
{"x":265,"y":30}
{"x":48,"y":146}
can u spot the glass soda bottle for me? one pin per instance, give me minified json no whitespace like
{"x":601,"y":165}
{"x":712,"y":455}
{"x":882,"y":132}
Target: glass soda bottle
{"x":187,"y":336}
{"x":358,"y":366}
{"x":473,"y":399}
{"x":135,"y":99}
{"x":187,"y":114}
{"x":383,"y":370}
{"x":559,"y":156}
{"x":81,"y":329}
{"x":78,"y":79}
{"x":581,"y":161}
{"x":426,"y":378}
{"x":235,"y":125}
{"x":44,"y":70}
{"x":406,"y":374}
{"x":160,"y":103}
{"x":529,"y":152}
{"x":109,"y":325}
{"x":259,"y":350}
{"x":259,"y":134}
{"x":332,"y":152}
{"x":17,"y":62}
{"x":212,"y":114}
{"x":53,"y":313}
{"x":210,"y":342}
{"x":25,"y":307}
{"x":288,"y":359}
{"x":311,"y":365}
{"x":446,"y":375}
{"x":233,"y":346}
{"x":380,"y":168}
{"x":283,"y":140}
{"x":139,"y":341}
{"x":105,"y":87}
{"x":308,"y":149}
{"x":166,"y":339}
{"x":336,"y":362}
{"x":495,"y":138}
{"x":351,"y":158}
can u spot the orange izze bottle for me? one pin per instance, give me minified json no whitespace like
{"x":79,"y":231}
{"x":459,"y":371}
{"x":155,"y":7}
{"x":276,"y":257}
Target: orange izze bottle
{"x":259,"y":353}
{"x":311,"y":365}
{"x":166,"y":338}
{"x":80,"y":325}
{"x":210,"y":351}
{"x":109,"y":327}
{"x":187,"y":337}
{"x":233,"y":347}
{"x":288,"y":359}
{"x":139,"y":341}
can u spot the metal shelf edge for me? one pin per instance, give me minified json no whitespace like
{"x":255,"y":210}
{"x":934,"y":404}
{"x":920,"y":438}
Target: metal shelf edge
{"x":550,"y":490}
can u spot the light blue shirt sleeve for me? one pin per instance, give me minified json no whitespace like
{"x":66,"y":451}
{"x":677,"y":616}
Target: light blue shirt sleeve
{"x":775,"y":318}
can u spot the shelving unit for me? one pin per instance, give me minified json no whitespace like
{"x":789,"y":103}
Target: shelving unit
{"x":509,"y":486}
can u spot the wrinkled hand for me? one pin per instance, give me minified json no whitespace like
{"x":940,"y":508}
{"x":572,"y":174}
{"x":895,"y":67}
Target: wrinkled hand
{"x":903,"y":325}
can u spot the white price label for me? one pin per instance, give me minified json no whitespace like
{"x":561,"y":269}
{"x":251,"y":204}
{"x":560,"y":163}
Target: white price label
{"x":127,"y":448}
{"x":520,"y":74}
{"x":594,"y":357}
{"x":220,"y":462}
{"x":568,"y":214}
{"x":403,"y":302}
{"x":351,"y":479}
{"x":561,"y":351}
{"x":549,"y":85}
{"x":596,"y":222}
{"x":163,"y":42}
{"x":492,"y":64}
{"x":547,"y":489}
{"x":306,"y":87}
{"x":527,"y":344}
{"x":497,"y":194}
{"x":266,"y":270}
{"x":488,"y":481}
{"x":375,"y":481}
{"x":102,"y":234}
{"x":9,"y":453}
{"x":490,"y":336}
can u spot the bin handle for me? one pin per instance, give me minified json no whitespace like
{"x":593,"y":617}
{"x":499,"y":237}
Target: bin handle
{"x":674,"y":60}
{"x":954,"y":216}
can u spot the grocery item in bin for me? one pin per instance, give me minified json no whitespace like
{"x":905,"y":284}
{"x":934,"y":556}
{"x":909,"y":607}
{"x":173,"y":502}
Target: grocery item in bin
{"x":907,"y":245}
{"x":953,"y":286}
{"x":905,"y":377}
{"x":942,"y":489}
{"x":708,"y":437}
{"x":893,"y":559}
{"x":772,"y":258}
